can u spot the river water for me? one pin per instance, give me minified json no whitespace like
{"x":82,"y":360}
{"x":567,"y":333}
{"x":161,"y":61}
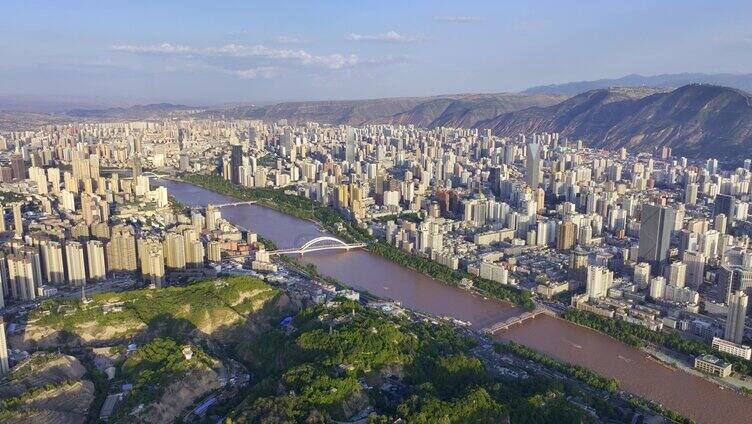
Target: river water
{"x":693,"y":397}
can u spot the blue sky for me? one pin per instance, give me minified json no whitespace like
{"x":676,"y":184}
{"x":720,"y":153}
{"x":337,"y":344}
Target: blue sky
{"x":202,"y":52}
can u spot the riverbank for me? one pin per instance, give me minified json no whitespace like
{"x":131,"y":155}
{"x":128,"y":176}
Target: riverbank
{"x":560,"y":339}
{"x":336,"y":223}
{"x":639,"y":336}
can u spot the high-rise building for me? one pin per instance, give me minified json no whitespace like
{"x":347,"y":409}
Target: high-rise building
{"x":641,"y":276}
{"x":599,"y":280}
{"x":96,"y":260}
{"x":121,"y":250}
{"x":236,"y":161}
{"x":4,"y":366}
{"x":695,"y":268}
{"x":726,"y":205}
{"x":533,"y":165}
{"x":733,"y":278}
{"x":690,"y":193}
{"x":75,"y":263}
{"x":737,"y":312}
{"x":655,"y":236}
{"x":565,"y":235}
{"x":151,"y":258}
{"x":18,"y":167}
{"x":658,"y":288}
{"x":214,"y":252}
{"x":17,"y":219}
{"x":174,"y":251}
{"x":350,"y":145}
{"x":212,"y":215}
{"x":677,"y":274}
{"x":52,"y":261}
{"x":22,"y":278}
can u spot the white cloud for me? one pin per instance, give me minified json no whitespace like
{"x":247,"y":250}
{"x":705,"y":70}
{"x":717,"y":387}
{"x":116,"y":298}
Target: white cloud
{"x":459,"y":19}
{"x":164,"y":48}
{"x":387,"y":37}
{"x":286,"y":39}
{"x":265,"y":72}
{"x":258,"y":51}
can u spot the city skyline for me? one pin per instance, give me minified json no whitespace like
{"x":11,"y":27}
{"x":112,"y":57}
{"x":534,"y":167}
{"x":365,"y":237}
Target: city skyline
{"x":179,"y":52}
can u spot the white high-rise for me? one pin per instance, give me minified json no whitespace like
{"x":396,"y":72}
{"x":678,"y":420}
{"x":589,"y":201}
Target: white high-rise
{"x":533,"y":165}
{"x":737,"y":312}
{"x":74,"y":262}
{"x":599,"y":280}
{"x":95,"y":257}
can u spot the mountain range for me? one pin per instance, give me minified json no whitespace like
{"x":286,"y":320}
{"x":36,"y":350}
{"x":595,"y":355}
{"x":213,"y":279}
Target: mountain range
{"x":640,"y":113}
{"x":740,"y":81}
{"x":455,"y":110}
{"x":695,"y":120}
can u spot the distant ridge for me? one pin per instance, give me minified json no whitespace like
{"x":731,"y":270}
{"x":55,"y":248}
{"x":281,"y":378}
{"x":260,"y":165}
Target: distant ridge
{"x":457,"y":110}
{"x":695,"y":120}
{"x":133,"y":112}
{"x":739,"y":81}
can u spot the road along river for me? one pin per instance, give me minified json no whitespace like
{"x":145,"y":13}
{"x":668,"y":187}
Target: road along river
{"x":689,"y":395}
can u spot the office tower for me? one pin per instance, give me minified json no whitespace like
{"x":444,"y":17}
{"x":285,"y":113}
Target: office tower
{"x":95,"y":260}
{"x":350,"y":145}
{"x":174,"y":251}
{"x":733,"y":278}
{"x":236,"y":161}
{"x":641,"y":276}
{"x":737,"y":312}
{"x":4,"y":367}
{"x":75,"y":263}
{"x":695,"y":268}
{"x":655,"y":236}
{"x":677,"y":274}
{"x":726,"y":205}
{"x":565,"y":235}
{"x":52,"y":261}
{"x":599,"y":280}
{"x":121,"y":250}
{"x":2,"y":220}
{"x":658,"y":288}
{"x":533,"y":165}
{"x":17,"y":219}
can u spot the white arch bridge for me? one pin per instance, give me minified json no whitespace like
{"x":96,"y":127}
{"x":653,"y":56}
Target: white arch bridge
{"x":317,"y":245}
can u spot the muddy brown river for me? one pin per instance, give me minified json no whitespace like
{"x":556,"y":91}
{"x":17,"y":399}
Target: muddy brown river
{"x":692,"y":396}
